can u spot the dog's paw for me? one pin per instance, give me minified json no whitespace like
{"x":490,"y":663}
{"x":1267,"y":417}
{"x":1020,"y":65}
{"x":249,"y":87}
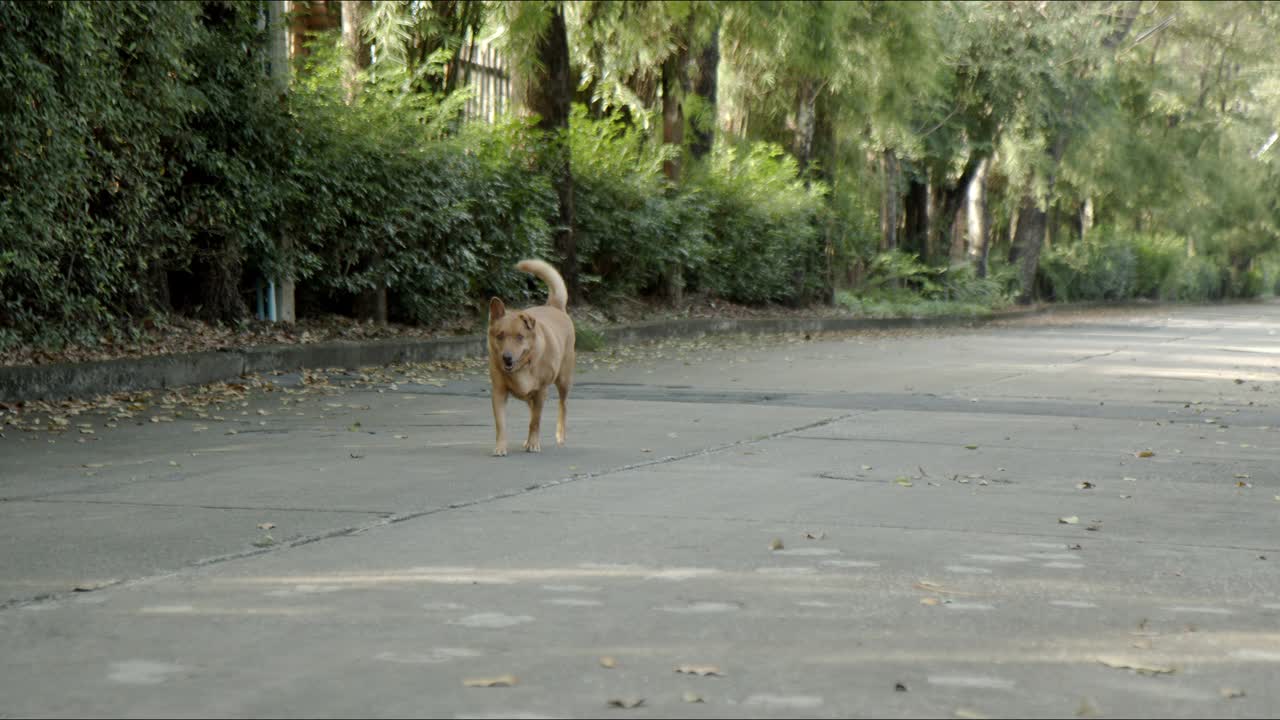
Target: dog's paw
{"x":532,"y":446}
{"x":500,"y":451}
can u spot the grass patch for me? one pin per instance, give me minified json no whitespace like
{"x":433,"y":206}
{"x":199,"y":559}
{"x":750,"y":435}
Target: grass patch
{"x":908,"y":305}
{"x":586,"y":339}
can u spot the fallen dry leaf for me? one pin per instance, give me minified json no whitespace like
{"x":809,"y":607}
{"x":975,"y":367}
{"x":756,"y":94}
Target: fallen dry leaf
{"x":1086,"y":485}
{"x":969,"y":714}
{"x":500,"y":681}
{"x":970,"y":447}
{"x":930,"y":601}
{"x":775,"y":544}
{"x":934,"y":587}
{"x":626,"y":703}
{"x":815,"y":536}
{"x":904,"y":482}
{"x":692,"y":697}
{"x":1086,"y":709}
{"x":1069,"y":520}
{"x":608,"y":662}
{"x":1145,"y":454}
{"x":1229,"y":693}
{"x":91,"y":585}
{"x":266,"y":525}
{"x":701,"y":670}
{"x":1135,"y":665}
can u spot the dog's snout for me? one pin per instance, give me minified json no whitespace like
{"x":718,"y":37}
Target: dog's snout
{"x":507,"y":359}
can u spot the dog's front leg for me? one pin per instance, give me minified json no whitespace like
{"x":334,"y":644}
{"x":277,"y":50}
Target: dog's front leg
{"x":500,"y":418}
{"x":534,"y":443}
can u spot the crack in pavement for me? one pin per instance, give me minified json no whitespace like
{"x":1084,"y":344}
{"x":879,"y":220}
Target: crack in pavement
{"x":393,"y":519}
{"x":265,"y":508}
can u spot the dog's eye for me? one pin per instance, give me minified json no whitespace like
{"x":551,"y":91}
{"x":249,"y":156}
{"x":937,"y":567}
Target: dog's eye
{"x":499,"y":336}
{"x":519,"y":338}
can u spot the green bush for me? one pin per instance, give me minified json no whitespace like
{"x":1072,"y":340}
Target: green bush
{"x":383,"y":198}
{"x":1101,"y":268}
{"x":1200,"y":280}
{"x":137,"y":140}
{"x":1158,"y":261}
{"x":765,"y":243}
{"x":631,"y":227}
{"x":899,"y":283}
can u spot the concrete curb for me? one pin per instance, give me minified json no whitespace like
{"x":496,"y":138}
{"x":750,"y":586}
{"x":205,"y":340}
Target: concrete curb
{"x":79,"y":380}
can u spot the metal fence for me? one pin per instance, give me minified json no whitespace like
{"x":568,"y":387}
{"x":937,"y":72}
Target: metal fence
{"x":488,"y":76}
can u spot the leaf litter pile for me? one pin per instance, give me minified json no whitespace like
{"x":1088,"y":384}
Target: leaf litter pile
{"x":226,"y":402}
{"x":216,"y":402}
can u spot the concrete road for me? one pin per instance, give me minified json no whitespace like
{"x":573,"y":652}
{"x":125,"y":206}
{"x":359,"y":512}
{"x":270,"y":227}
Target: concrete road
{"x":1076,"y":515}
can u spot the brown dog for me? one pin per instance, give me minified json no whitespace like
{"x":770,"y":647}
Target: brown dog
{"x":528,"y":351}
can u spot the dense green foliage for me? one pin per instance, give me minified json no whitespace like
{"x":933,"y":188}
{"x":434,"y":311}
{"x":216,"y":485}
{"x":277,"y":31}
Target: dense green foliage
{"x":381,"y":197}
{"x":138,"y":140}
{"x":147,"y":166}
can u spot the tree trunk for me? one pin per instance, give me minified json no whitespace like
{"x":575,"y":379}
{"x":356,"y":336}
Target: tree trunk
{"x":1086,"y":218}
{"x":948,"y":201}
{"x":548,"y":94}
{"x":358,"y":54}
{"x":806,"y":122}
{"x":307,"y":19}
{"x":1027,"y":242}
{"x":959,"y":235}
{"x":278,"y":55}
{"x":704,"y":126}
{"x":890,"y":201}
{"x":823,"y":149}
{"x":1033,"y":225}
{"x":371,"y":305}
{"x":674,"y":83}
{"x":916,"y":210}
{"x":976,"y":216}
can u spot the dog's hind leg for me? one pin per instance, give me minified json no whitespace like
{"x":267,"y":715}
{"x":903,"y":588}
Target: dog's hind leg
{"x":563,"y":387}
{"x":534,"y":443}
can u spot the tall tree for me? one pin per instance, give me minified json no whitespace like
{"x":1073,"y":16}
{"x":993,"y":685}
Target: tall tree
{"x":1058,"y":113}
{"x":537,"y":39}
{"x":702,"y":114}
{"x":357,"y":53}
{"x":278,"y":57}
{"x":425,"y":39}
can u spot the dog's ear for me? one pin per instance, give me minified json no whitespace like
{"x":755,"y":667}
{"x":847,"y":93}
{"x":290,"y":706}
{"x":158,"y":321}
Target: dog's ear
{"x":529,"y":322}
{"x":496,"y":309}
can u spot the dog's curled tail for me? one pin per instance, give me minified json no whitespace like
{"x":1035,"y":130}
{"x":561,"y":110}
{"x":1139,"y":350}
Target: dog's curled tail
{"x":559,"y":296}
